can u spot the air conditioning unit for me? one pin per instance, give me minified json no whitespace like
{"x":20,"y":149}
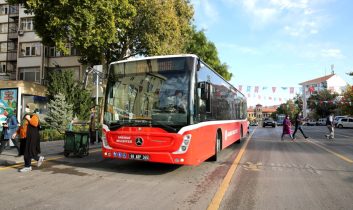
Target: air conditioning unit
{"x":20,"y":32}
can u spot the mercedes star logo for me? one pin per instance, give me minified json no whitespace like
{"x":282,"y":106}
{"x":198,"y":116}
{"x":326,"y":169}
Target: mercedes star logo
{"x":139,"y":141}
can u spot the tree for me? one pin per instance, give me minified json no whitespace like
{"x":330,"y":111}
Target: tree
{"x":346,"y":103}
{"x":62,"y":81}
{"x":107,"y":30}
{"x":60,"y":113}
{"x":289,"y":108}
{"x":298,"y":100}
{"x":207,"y":51}
{"x":322,"y":103}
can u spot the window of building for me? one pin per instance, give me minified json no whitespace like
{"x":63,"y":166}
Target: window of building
{"x":2,"y":66}
{"x":7,"y":46}
{"x":53,"y":52}
{"x":30,"y":74}
{"x":12,"y":46}
{"x":30,"y":49}
{"x":13,"y":9}
{"x":3,"y":27}
{"x":4,"y":9}
{"x":3,"y":47}
{"x":27,"y":24}
{"x":13,"y":27}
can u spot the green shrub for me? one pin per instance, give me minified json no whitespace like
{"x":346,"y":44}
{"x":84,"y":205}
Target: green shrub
{"x":51,"y":135}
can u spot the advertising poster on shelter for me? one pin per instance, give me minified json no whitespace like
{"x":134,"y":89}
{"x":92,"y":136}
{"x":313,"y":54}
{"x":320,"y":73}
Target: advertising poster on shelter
{"x":8,"y":99}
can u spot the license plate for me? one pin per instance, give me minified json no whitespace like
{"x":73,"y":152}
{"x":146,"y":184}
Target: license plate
{"x":139,"y":157}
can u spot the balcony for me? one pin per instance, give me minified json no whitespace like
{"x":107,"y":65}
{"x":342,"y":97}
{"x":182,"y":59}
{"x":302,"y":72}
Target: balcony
{"x":13,"y":35}
{"x":12,"y":32}
{"x":12,"y":56}
{"x":13,"y":11}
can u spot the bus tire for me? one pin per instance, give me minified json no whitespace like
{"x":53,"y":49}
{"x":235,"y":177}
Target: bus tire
{"x":241,"y":135}
{"x":218,"y":145}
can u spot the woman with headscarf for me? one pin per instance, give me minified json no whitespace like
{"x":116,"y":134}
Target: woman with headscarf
{"x":30,"y":131}
{"x":287,"y":128}
{"x":9,"y":127}
{"x":22,"y":132}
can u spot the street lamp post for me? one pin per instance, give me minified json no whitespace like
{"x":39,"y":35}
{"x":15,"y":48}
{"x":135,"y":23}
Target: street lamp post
{"x":97,"y":72}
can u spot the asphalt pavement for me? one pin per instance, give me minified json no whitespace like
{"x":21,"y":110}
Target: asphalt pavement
{"x":313,"y":173}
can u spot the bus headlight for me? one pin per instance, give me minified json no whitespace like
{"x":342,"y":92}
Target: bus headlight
{"x":104,"y":140}
{"x":184,"y":145}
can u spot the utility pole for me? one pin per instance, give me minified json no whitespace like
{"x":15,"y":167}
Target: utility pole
{"x":98,"y":73}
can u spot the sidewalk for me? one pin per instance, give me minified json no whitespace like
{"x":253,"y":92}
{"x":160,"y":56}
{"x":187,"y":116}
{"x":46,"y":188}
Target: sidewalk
{"x":48,"y":148}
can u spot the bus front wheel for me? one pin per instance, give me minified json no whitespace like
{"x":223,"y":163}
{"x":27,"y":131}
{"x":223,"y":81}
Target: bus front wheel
{"x":218,"y":146}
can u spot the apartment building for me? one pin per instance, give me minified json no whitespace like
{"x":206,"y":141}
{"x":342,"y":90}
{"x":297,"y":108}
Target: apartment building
{"x":22,"y":55}
{"x":25,"y":61}
{"x":331,"y":82}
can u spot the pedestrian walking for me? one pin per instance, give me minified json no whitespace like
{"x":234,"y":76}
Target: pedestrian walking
{"x":32,"y":140}
{"x":298,"y":125}
{"x":22,"y":132}
{"x":331,"y":127}
{"x":92,"y":126}
{"x":9,"y":127}
{"x":286,"y":128}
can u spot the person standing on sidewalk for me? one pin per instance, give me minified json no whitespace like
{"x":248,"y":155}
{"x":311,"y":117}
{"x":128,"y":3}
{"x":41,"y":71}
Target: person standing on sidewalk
{"x":298,"y":125}
{"x":287,"y":128}
{"x":92,"y":126}
{"x":32,"y":147}
{"x":331,"y":127}
{"x":9,"y":127}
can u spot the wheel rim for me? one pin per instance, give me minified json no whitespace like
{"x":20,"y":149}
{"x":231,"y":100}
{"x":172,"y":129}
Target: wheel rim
{"x":218,"y":147}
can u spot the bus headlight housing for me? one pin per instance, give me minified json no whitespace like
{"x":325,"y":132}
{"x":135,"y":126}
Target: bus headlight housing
{"x":104,"y":140}
{"x":184,"y":145}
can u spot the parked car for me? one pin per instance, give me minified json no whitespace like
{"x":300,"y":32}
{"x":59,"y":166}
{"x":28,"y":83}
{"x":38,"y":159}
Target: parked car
{"x":335,"y":120}
{"x":269,"y":122}
{"x":254,"y":124}
{"x":321,"y":121}
{"x":280,"y":119}
{"x":310,"y":123}
{"x":279,"y":122}
{"x":345,"y":122}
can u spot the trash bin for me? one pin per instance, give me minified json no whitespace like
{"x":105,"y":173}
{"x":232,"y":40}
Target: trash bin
{"x":76,"y":143}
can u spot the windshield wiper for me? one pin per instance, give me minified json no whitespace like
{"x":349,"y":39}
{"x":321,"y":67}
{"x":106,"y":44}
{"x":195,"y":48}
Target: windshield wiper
{"x":142,"y":122}
{"x":114,"y":125}
{"x":166,"y":127}
{"x":135,"y":122}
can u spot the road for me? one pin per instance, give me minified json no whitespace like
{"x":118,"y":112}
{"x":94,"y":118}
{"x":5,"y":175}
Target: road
{"x":305,"y":174}
{"x":308,"y":174}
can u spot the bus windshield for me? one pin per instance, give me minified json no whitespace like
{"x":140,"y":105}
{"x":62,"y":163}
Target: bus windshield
{"x":152,"y":92}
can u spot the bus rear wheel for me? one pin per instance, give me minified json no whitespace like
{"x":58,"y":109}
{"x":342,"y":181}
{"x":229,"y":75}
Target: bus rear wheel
{"x":241,"y":135}
{"x":218,"y":146}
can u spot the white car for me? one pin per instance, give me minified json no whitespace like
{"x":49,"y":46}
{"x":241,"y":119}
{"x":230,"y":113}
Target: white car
{"x":335,"y":120}
{"x":321,"y":121}
{"x":345,"y":122}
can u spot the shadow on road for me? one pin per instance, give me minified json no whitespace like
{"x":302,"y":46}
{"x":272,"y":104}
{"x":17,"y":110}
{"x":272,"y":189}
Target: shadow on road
{"x":117,"y":166}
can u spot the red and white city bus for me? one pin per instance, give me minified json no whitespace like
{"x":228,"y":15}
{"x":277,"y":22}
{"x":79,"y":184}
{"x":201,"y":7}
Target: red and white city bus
{"x":170,"y":109}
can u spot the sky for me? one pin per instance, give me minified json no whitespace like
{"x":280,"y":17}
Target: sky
{"x":276,"y":44}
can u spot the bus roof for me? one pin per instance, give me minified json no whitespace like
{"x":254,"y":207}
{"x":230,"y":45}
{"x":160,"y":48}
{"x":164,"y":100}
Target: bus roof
{"x":155,"y":57}
{"x":175,"y":56}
